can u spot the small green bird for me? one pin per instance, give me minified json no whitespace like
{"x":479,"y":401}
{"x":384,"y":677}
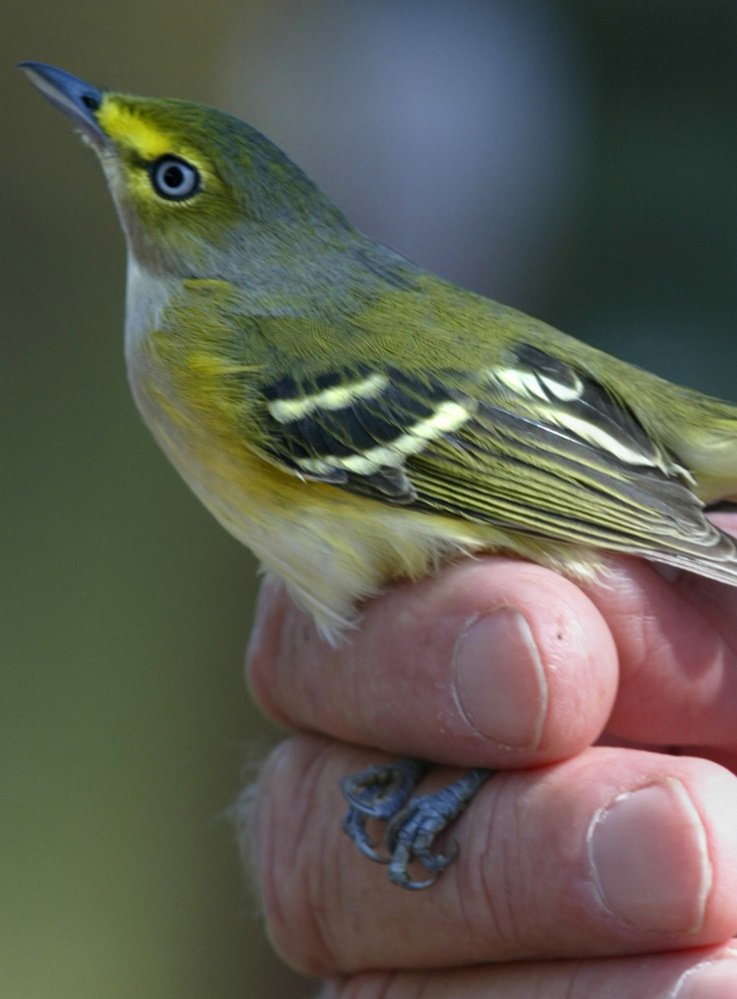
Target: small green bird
{"x":354,"y":419}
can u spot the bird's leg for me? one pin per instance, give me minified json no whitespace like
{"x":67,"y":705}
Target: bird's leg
{"x":378,"y":792}
{"x":412,"y":832}
{"x":384,"y":792}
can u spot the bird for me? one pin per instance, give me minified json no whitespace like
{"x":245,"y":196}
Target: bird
{"x":354,"y":419}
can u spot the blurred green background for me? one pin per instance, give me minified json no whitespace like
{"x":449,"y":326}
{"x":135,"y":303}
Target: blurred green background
{"x":576,"y":159}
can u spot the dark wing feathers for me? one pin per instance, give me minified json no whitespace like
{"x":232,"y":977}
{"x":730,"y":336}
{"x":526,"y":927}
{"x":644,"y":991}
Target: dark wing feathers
{"x":325,"y":436}
{"x":537,"y":447}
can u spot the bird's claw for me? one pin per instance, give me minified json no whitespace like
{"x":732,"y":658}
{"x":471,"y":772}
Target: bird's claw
{"x":354,"y":826}
{"x":385,"y":792}
{"x":410,"y":837}
{"x":381,"y":791}
{"x":378,"y":792}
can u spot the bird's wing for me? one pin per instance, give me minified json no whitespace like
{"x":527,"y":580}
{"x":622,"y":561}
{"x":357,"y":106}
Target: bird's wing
{"x":534,"y":445}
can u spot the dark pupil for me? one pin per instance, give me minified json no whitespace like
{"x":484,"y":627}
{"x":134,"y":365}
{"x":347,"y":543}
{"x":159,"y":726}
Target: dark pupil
{"x":90,"y":102}
{"x":173,"y":176}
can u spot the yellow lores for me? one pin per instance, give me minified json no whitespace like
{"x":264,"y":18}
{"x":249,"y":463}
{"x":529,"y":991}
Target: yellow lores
{"x":355,"y":419}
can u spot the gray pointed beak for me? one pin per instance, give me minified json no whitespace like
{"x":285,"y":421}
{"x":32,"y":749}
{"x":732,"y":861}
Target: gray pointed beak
{"x":77,"y":99}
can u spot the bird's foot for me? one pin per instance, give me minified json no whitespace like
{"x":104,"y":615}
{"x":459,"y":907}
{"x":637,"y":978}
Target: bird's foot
{"x":378,"y":792}
{"x":384,"y":792}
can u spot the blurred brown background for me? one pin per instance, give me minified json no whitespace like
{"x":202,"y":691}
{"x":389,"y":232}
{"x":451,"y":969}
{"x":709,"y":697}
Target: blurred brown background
{"x":577,"y":160}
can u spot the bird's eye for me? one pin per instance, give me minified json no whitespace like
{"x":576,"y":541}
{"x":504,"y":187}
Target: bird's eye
{"x":174,"y":179}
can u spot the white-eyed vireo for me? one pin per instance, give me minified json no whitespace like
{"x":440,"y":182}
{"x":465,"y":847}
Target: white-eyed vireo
{"x":354,"y":419}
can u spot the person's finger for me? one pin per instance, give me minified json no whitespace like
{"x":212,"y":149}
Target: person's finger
{"x":677,"y":644}
{"x":611,"y":852}
{"x":706,"y":974}
{"x":493,"y":662}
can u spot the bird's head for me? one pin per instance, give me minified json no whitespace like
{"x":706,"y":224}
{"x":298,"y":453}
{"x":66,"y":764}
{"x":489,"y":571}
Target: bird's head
{"x":195,"y":188}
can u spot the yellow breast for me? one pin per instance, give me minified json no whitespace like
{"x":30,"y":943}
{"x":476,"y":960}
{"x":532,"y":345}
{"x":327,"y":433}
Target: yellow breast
{"x":331,"y":547}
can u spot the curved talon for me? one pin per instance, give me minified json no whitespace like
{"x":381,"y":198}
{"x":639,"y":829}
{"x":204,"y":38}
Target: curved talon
{"x":439,"y":861}
{"x":380,"y":791}
{"x":354,"y":826}
{"x":384,"y":792}
{"x":410,"y":837}
{"x":398,"y":875}
{"x":412,"y":832}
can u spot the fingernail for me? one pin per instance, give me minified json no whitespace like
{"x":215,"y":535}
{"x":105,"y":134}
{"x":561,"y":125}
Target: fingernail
{"x":716,"y":980}
{"x":649,"y":861}
{"x":500,"y":681}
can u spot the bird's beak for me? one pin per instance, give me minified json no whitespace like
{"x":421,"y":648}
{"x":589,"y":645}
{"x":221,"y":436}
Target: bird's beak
{"x":71,"y":95}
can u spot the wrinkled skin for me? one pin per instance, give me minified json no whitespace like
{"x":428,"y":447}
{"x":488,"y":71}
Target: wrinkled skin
{"x":587,"y":851}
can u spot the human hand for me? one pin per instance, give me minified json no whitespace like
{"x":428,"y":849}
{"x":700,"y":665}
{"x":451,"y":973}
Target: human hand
{"x":613,"y":852}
